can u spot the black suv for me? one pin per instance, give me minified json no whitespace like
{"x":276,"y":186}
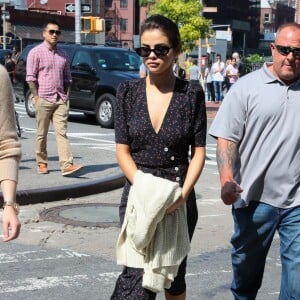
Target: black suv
{"x":96,"y":72}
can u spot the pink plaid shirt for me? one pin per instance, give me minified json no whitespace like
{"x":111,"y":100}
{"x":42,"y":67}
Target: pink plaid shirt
{"x":51,"y":70}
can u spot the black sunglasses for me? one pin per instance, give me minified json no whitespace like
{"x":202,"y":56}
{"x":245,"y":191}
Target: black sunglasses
{"x":159,"y":51}
{"x":52,"y":31}
{"x":284,"y":50}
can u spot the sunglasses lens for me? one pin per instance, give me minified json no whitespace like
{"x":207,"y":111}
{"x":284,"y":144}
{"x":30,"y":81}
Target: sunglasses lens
{"x":283,"y":50}
{"x":161,"y":50}
{"x":297,"y":52}
{"x":143,"y":51}
{"x":158,"y":50}
{"x":286,"y":50}
{"x":51,"y":32}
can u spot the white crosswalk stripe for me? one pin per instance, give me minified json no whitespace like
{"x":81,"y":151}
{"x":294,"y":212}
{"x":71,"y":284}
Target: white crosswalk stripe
{"x":210,"y":159}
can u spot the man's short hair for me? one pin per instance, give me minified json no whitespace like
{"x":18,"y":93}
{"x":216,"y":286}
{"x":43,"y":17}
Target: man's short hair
{"x":54,"y":22}
{"x":235,"y":55}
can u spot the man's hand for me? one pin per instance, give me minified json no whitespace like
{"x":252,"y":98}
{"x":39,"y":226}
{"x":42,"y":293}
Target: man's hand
{"x":11,"y":224}
{"x":230,"y":192}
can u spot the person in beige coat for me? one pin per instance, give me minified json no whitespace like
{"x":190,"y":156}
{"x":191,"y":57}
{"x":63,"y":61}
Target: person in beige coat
{"x":10,"y":154}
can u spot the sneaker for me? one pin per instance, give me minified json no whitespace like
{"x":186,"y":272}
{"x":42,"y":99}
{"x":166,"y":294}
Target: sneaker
{"x":71,"y":170}
{"x":42,"y":168}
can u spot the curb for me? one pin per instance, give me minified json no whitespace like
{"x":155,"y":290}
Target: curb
{"x":211,"y":110}
{"x":34,"y":196}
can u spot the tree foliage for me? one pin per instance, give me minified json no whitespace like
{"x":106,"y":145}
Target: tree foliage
{"x":186,"y":14}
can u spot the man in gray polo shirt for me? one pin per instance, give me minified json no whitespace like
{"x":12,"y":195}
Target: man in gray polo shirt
{"x":258,"y":154}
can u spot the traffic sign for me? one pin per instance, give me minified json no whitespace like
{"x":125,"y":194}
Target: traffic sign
{"x":85,"y":8}
{"x":70,"y":7}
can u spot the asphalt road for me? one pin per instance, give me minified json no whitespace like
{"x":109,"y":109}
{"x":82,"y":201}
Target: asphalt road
{"x":54,"y":260}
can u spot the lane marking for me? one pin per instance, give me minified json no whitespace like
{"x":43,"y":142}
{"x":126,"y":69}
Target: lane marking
{"x":31,"y":283}
{"x":28,"y":256}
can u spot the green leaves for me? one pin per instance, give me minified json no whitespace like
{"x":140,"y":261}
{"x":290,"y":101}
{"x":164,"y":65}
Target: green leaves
{"x":187,"y":15}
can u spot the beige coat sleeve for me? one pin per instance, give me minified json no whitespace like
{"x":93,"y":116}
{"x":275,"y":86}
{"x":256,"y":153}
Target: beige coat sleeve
{"x":10,"y":147}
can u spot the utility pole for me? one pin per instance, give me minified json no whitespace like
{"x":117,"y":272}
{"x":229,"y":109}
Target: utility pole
{"x":206,"y":9}
{"x":199,"y":47}
{"x":77,"y":22}
{"x":4,"y":16}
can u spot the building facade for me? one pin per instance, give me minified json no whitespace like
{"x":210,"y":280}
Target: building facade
{"x":242,"y":16}
{"x":273,"y":14}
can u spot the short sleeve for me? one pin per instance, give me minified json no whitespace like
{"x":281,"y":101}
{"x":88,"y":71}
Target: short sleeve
{"x":197,"y":98}
{"x":229,"y":123}
{"x":122,"y":113}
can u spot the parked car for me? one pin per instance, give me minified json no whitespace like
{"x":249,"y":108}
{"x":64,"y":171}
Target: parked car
{"x":96,"y":72}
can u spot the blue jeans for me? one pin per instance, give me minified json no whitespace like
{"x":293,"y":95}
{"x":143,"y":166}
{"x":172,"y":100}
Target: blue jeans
{"x":254,"y":229}
{"x":218,"y":87}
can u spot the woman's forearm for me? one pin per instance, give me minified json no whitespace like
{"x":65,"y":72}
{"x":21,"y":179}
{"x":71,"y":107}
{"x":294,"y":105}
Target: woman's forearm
{"x":195,"y":168}
{"x":126,"y":162}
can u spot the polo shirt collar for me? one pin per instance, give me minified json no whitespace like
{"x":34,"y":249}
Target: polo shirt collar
{"x":268,"y":77}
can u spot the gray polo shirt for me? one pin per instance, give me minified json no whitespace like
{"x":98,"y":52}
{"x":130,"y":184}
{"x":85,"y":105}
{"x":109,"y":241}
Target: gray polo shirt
{"x":262,"y":115}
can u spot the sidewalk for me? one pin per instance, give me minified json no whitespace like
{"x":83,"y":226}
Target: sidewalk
{"x":212,"y":108}
{"x":100,"y":173}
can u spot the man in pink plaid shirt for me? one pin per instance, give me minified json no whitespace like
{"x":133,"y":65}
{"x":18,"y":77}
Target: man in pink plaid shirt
{"x":49,"y":79}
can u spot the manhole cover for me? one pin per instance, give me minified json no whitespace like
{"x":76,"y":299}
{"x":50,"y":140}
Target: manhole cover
{"x":85,"y":215}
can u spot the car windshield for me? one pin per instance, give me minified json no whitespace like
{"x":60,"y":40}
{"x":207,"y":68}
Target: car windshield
{"x":118,"y":60}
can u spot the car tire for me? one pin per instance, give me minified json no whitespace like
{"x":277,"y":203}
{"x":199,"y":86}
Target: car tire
{"x":105,"y":109}
{"x":30,"y":109}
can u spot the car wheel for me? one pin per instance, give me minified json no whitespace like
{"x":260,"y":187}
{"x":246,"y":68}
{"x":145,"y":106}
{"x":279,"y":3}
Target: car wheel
{"x":105,"y":109}
{"x":30,"y":109}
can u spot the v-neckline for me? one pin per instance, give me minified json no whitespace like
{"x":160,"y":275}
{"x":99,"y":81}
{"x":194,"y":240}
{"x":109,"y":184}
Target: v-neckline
{"x":165,"y":115}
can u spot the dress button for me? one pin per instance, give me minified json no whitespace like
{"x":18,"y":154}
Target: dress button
{"x":166,"y":149}
{"x":177,"y":179}
{"x":176,"y":169}
{"x":172,"y":157}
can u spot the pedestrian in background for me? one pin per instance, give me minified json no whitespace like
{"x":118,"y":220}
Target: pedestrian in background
{"x":10,"y":154}
{"x":232,"y":73}
{"x":49,"y":79}
{"x":258,"y":157}
{"x":143,"y":70}
{"x":239,"y":63}
{"x":209,"y":82}
{"x":186,"y":65}
{"x":158,"y":119}
{"x":194,"y":73}
{"x":15,"y":54}
{"x":218,"y":78}
{"x":10,"y":66}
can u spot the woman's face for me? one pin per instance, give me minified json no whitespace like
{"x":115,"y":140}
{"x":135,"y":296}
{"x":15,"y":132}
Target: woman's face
{"x":156,"y":39}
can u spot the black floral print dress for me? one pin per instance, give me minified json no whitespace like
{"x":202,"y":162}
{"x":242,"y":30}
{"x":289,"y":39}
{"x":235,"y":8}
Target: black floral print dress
{"x":164,"y":153}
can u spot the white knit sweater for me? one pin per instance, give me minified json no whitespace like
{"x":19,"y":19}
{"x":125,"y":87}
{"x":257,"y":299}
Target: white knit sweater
{"x":149,"y":238}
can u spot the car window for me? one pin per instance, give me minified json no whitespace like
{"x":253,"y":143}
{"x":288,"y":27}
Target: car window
{"x":81,"y":57}
{"x":118,"y":60}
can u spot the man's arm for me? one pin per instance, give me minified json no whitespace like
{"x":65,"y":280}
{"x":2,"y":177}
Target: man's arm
{"x":33,"y":89}
{"x":226,"y":156}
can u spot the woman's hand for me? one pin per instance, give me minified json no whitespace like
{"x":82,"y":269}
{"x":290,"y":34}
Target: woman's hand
{"x":11,"y":224}
{"x":179,"y":202}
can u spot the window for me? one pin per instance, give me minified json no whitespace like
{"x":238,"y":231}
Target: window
{"x":123,"y":25}
{"x":267,"y":17}
{"x":81,"y":58}
{"x":108,"y":24}
{"x":108,"y":3}
{"x":123,"y":3}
